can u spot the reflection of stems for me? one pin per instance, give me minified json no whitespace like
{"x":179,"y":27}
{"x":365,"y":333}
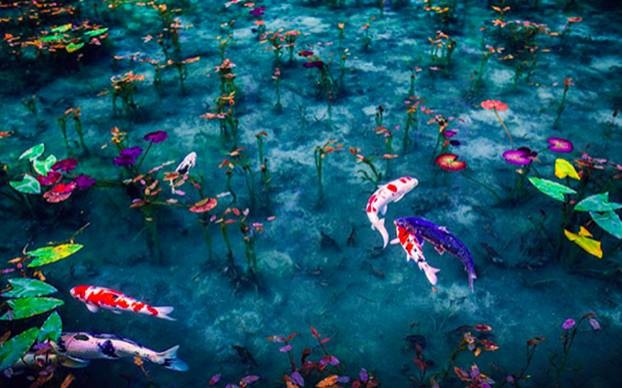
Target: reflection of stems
{"x":78,"y":127}
{"x":319,"y":159}
{"x":204,"y":221}
{"x":62,"y":123}
{"x":507,"y":131}
{"x":153,"y":241}
{"x":142,"y":158}
{"x":234,"y":197}
{"x":225,"y":236}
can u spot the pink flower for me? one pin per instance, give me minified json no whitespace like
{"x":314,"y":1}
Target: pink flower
{"x":522,"y":156}
{"x":569,"y":324}
{"x":49,"y":179}
{"x":558,"y":144}
{"x":494,"y":105}
{"x":575,"y":19}
{"x":65,"y":165}
{"x":594,"y":324}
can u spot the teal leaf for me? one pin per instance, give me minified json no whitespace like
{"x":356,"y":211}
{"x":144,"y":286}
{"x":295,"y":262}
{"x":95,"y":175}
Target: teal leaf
{"x":552,"y":189}
{"x":13,"y":349}
{"x":597,"y":203}
{"x":33,"y":153}
{"x":52,"y":254}
{"x":609,"y":221}
{"x":28,"y":185}
{"x":42,"y":167}
{"x":97,"y":32}
{"x":23,"y":287}
{"x":29,"y":307}
{"x":51,"y":328}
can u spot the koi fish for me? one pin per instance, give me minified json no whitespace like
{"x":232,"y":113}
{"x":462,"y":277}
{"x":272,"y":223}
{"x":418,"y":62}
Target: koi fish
{"x":189,"y":161}
{"x":100,"y":297}
{"x":377,"y":203}
{"x":415,"y":231}
{"x":89,"y":346}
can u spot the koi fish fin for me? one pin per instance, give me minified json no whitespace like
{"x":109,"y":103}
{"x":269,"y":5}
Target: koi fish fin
{"x":394,"y":241}
{"x":430,"y":272}
{"x":92,"y":308}
{"x":73,"y":362}
{"x":379,"y":226}
{"x":116,"y":312}
{"x":383,"y":210}
{"x":400,"y":197}
{"x":164,"y":311}
{"x":169,"y":360}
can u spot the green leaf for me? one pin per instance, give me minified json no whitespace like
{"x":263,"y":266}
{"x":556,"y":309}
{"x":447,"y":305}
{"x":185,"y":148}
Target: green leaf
{"x":52,"y":254}
{"x":62,"y":28}
{"x":51,"y":328}
{"x":23,"y":287}
{"x":597,"y":203}
{"x":52,"y":38}
{"x":72,"y":47}
{"x":29,"y":307}
{"x":97,"y":32}
{"x":42,"y":167}
{"x":552,"y":189}
{"x":609,"y":222}
{"x":12,"y":350}
{"x":33,"y":153}
{"x":28,"y":185}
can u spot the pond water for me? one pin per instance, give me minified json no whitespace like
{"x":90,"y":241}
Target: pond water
{"x":318,"y":263}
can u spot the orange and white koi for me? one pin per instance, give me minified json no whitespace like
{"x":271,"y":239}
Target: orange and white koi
{"x":377,"y":203}
{"x":100,"y":297}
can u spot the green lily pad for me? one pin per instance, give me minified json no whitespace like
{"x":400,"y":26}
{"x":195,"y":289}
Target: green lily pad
{"x":42,"y":167}
{"x":51,"y":328}
{"x":24,"y":287}
{"x":29,"y":307}
{"x":52,"y":38}
{"x":33,"y":153}
{"x":597,"y":203}
{"x":72,"y":47}
{"x":13,"y":349}
{"x":609,"y":221}
{"x":28,"y":185}
{"x":552,"y":189}
{"x":97,"y":32}
{"x":52,"y":254}
{"x":62,"y":28}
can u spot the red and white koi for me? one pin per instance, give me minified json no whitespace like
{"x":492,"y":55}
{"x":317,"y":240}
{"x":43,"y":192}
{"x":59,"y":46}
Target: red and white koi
{"x":181,"y":173}
{"x":414,"y":251}
{"x":377,"y":203}
{"x":100,"y":297}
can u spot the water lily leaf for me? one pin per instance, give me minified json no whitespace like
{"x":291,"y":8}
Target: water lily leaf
{"x":97,"y":32}
{"x":51,"y":328}
{"x":24,"y":287}
{"x":42,"y":167}
{"x":609,"y":221}
{"x":73,"y":47}
{"x":62,"y":28}
{"x":12,"y":350}
{"x":29,"y":307}
{"x":33,"y":153}
{"x":584,"y":240}
{"x":564,"y":169}
{"x":52,"y":254}
{"x":52,"y":38}
{"x":552,"y":189}
{"x":597,"y":203}
{"x":28,"y":185}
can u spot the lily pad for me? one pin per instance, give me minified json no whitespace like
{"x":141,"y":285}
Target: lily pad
{"x":52,"y":254}
{"x":609,"y":221}
{"x":33,"y":153}
{"x":29,"y":307}
{"x":597,"y":203}
{"x":97,"y":32}
{"x":52,"y":38}
{"x":28,"y":185}
{"x":12,"y":350}
{"x":51,"y":328}
{"x":62,"y":28}
{"x":552,"y":189}
{"x":42,"y":167}
{"x":23,"y":287}
{"x":72,"y":47}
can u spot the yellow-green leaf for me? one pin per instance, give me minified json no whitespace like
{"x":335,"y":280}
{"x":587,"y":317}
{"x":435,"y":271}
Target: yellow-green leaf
{"x":52,"y":254}
{"x":564,"y":169}
{"x":584,"y":240}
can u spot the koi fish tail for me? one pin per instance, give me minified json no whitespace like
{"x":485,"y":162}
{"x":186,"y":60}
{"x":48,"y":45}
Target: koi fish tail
{"x":169,"y":360}
{"x":430,"y":272}
{"x":379,"y":226}
{"x":164,"y":311}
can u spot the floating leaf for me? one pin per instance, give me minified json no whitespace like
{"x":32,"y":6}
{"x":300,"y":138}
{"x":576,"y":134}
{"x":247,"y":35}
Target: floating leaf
{"x":12,"y":350}
{"x":552,"y":189}
{"x":52,"y":254}
{"x":73,"y":47}
{"x":23,"y":287}
{"x":42,"y":167}
{"x":52,"y":38}
{"x":597,"y":203}
{"x":33,"y":153}
{"x":584,"y":240}
{"x":330,"y":381}
{"x":564,"y":169}
{"x":97,"y":32}
{"x":28,"y":307}
{"x":609,"y":221}
{"x":28,"y":185}
{"x":51,"y":328}
{"x":63,"y":28}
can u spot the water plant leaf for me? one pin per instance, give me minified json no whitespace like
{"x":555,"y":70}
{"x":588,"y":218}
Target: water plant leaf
{"x":29,"y":307}
{"x":24,"y":287}
{"x":52,"y":38}
{"x":62,"y":28}
{"x":564,"y":169}
{"x":42,"y":167}
{"x":597,"y":203}
{"x":33,"y":153}
{"x":12,"y":350}
{"x":609,"y":221}
{"x":52,"y":254}
{"x":28,"y":185}
{"x":73,"y":47}
{"x":330,"y":381}
{"x":584,"y":240}
{"x":97,"y":32}
{"x":51,"y":328}
{"x":552,"y":189}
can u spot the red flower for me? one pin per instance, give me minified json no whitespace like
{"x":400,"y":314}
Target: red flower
{"x":494,"y":105}
{"x":65,"y":165}
{"x":49,"y":179}
{"x":450,"y":162}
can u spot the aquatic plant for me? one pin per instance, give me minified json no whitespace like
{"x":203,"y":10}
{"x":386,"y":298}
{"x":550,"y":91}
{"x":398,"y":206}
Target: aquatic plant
{"x":264,"y":166}
{"x":562,"y":103}
{"x":125,"y":87}
{"x":497,"y":106}
{"x":368,"y":37}
{"x":442,"y":47}
{"x":372,"y":174}
{"x":73,"y":113}
{"x":324,"y":84}
{"x":412,"y":106}
{"x":225,"y":103}
{"x":290,"y":42}
{"x":276,"y":77}
{"x":442,"y":10}
{"x":319,"y":154}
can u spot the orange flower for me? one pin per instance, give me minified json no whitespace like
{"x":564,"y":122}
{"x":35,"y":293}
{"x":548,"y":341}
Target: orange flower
{"x":494,"y":105}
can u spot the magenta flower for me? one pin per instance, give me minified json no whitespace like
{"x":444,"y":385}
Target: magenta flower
{"x":448,"y":134}
{"x":522,"y":156}
{"x":65,"y":165}
{"x":249,"y":379}
{"x":83,"y":182}
{"x":558,"y":144}
{"x":127,"y":156}
{"x":285,"y":348}
{"x":51,"y":178}
{"x":594,"y":324}
{"x":257,"y":12}
{"x":569,"y":324}
{"x":156,"y":136}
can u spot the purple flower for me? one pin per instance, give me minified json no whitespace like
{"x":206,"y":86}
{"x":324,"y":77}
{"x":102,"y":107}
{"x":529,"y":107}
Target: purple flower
{"x":249,"y":379}
{"x":447,"y":134}
{"x":156,"y":136}
{"x":594,"y":324}
{"x":312,"y":64}
{"x":214,"y":379}
{"x":363,"y":375}
{"x":297,"y":378}
{"x":522,"y":156}
{"x":127,"y":156}
{"x":257,"y":12}
{"x":285,"y":348}
{"x":569,"y":324}
{"x":65,"y":165}
{"x":343,"y":379}
{"x":84,"y":181}
{"x":558,"y":144}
